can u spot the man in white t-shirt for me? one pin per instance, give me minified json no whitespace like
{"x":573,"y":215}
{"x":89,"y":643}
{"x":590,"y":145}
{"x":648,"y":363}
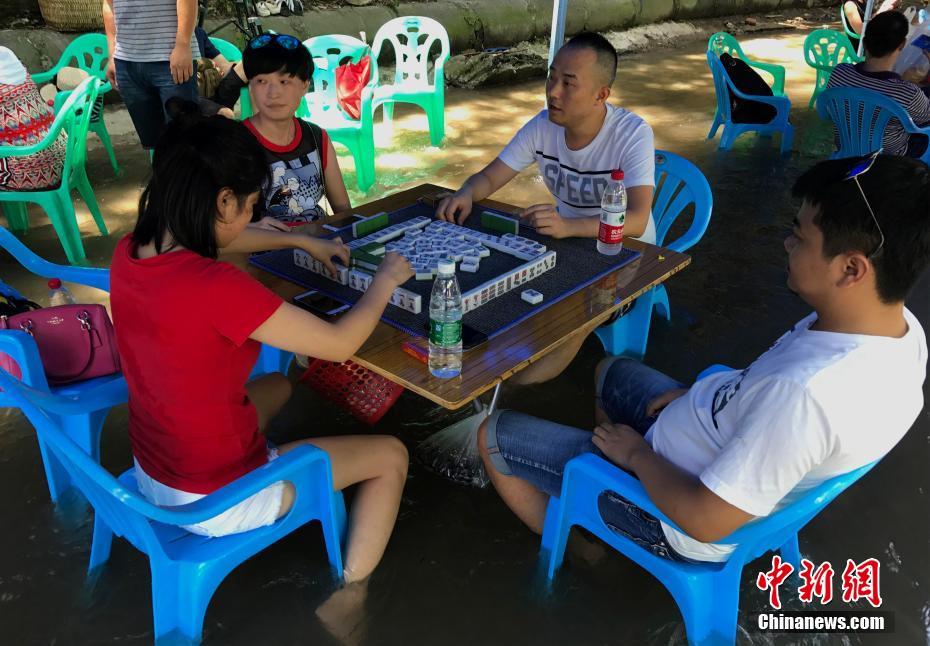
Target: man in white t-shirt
{"x":576,"y":143}
{"x":835,"y":393}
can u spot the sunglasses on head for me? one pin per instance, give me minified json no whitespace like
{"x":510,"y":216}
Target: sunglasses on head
{"x":284,"y":40}
{"x":861,"y":167}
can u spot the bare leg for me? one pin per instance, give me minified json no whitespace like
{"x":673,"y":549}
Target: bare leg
{"x":550,"y":366}
{"x":525,"y":500}
{"x":269,"y":393}
{"x":378,"y":464}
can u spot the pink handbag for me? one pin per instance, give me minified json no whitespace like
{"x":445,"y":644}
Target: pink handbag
{"x":76,"y":342}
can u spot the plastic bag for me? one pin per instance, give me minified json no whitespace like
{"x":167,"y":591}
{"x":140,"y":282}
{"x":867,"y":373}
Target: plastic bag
{"x":914,"y":62}
{"x":351,"y":78}
{"x":453,"y":452}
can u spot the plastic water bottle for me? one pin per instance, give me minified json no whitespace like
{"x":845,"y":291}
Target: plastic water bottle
{"x":613,"y":216}
{"x":58,"y":294}
{"x":445,"y":324}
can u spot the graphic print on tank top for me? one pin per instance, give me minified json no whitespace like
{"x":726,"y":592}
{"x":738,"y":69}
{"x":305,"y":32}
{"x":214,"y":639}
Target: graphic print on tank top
{"x":296,"y":190}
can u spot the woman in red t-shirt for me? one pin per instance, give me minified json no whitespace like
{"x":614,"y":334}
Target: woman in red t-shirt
{"x":189,"y":329}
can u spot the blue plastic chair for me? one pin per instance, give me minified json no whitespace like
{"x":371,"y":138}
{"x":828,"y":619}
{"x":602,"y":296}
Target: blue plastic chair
{"x":723,"y":117}
{"x":87,"y":402}
{"x":707,"y":594}
{"x":412,"y":38}
{"x":679,"y":184}
{"x":186,"y":568}
{"x":322,"y":108}
{"x":860,"y":117}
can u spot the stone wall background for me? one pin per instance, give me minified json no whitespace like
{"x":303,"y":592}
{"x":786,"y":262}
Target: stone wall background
{"x":472,"y":24}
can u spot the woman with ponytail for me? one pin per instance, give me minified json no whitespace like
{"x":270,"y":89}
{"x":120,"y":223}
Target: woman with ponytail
{"x":189,"y":328}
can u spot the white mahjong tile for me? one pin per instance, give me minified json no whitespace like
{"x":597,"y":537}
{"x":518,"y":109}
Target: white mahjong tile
{"x":531,"y":296}
{"x":469,"y":267}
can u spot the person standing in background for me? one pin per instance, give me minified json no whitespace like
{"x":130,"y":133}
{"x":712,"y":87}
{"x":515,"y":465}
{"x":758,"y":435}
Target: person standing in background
{"x":152,"y":51}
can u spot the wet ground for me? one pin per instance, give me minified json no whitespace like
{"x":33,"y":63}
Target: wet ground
{"x":460,"y":568}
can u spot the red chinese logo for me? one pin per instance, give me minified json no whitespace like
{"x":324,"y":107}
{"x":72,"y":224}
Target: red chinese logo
{"x":860,"y":581}
{"x":817,"y":582}
{"x":772,"y":579}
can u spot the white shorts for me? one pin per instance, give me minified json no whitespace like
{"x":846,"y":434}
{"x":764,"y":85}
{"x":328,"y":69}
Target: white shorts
{"x":258,"y":510}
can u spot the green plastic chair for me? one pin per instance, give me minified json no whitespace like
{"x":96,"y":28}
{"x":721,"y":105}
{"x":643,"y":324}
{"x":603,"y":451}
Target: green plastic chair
{"x":89,"y":53}
{"x":232,"y":54}
{"x":322,"y":108}
{"x":824,"y":49}
{"x":412,"y":38}
{"x":73,"y":119}
{"x":724,"y":43}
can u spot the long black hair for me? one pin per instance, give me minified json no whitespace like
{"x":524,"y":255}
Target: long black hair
{"x":194,"y":160}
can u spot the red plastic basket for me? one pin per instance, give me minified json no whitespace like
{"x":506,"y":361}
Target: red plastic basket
{"x":365,"y":394}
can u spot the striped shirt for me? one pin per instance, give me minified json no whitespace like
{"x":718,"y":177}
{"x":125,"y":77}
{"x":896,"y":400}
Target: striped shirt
{"x":146,"y":30}
{"x":906,"y":94}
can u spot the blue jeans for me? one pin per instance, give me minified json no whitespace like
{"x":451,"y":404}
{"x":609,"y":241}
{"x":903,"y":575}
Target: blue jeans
{"x":536,"y":450}
{"x":145,"y":87}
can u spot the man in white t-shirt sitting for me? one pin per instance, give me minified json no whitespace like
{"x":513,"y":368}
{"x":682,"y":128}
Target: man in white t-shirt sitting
{"x":836,"y":392}
{"x":576,"y":143}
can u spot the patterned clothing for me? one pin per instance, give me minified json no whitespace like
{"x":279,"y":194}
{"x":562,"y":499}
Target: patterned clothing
{"x":296,"y":187}
{"x":25,"y":119}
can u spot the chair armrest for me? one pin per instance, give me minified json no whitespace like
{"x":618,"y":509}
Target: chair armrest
{"x":294,"y":466}
{"x":89,"y":276}
{"x":779,"y":102}
{"x":47,"y":140}
{"x":712,"y":369}
{"x":23,"y":350}
{"x":612,"y":478}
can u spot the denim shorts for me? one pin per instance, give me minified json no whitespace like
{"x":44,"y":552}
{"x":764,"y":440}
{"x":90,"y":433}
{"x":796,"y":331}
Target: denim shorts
{"x":537,"y":450}
{"x":145,"y":87}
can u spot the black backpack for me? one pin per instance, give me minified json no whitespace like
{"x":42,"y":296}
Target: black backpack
{"x":747,"y":81}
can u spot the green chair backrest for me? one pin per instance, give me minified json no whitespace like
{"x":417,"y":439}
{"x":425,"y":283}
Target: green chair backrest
{"x":227,"y":50}
{"x":329,"y":52}
{"x":89,"y":52}
{"x":724,"y":43}
{"x":75,"y":120}
{"x":824,"y":49}
{"x":412,"y":38}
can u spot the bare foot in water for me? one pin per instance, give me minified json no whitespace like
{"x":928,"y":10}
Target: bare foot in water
{"x":343,"y":612}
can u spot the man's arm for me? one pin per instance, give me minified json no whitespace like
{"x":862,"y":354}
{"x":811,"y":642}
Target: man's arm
{"x":547,"y":220}
{"x":181,"y":60}
{"x":698,"y":511}
{"x":109,"y":26}
{"x":476,"y":188}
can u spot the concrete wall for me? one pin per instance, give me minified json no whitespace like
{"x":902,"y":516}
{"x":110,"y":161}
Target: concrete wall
{"x":476,"y":24}
{"x":472,"y":24}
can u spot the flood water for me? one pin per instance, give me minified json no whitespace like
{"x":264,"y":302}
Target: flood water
{"x":460,"y":569}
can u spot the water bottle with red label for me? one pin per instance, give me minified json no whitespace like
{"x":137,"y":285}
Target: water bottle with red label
{"x":613,"y":216}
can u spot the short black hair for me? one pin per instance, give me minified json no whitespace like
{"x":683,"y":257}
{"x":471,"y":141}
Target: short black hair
{"x":898,"y":189}
{"x":885,"y":33}
{"x":606,"y":54}
{"x":275,"y":58}
{"x":194,"y":159}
